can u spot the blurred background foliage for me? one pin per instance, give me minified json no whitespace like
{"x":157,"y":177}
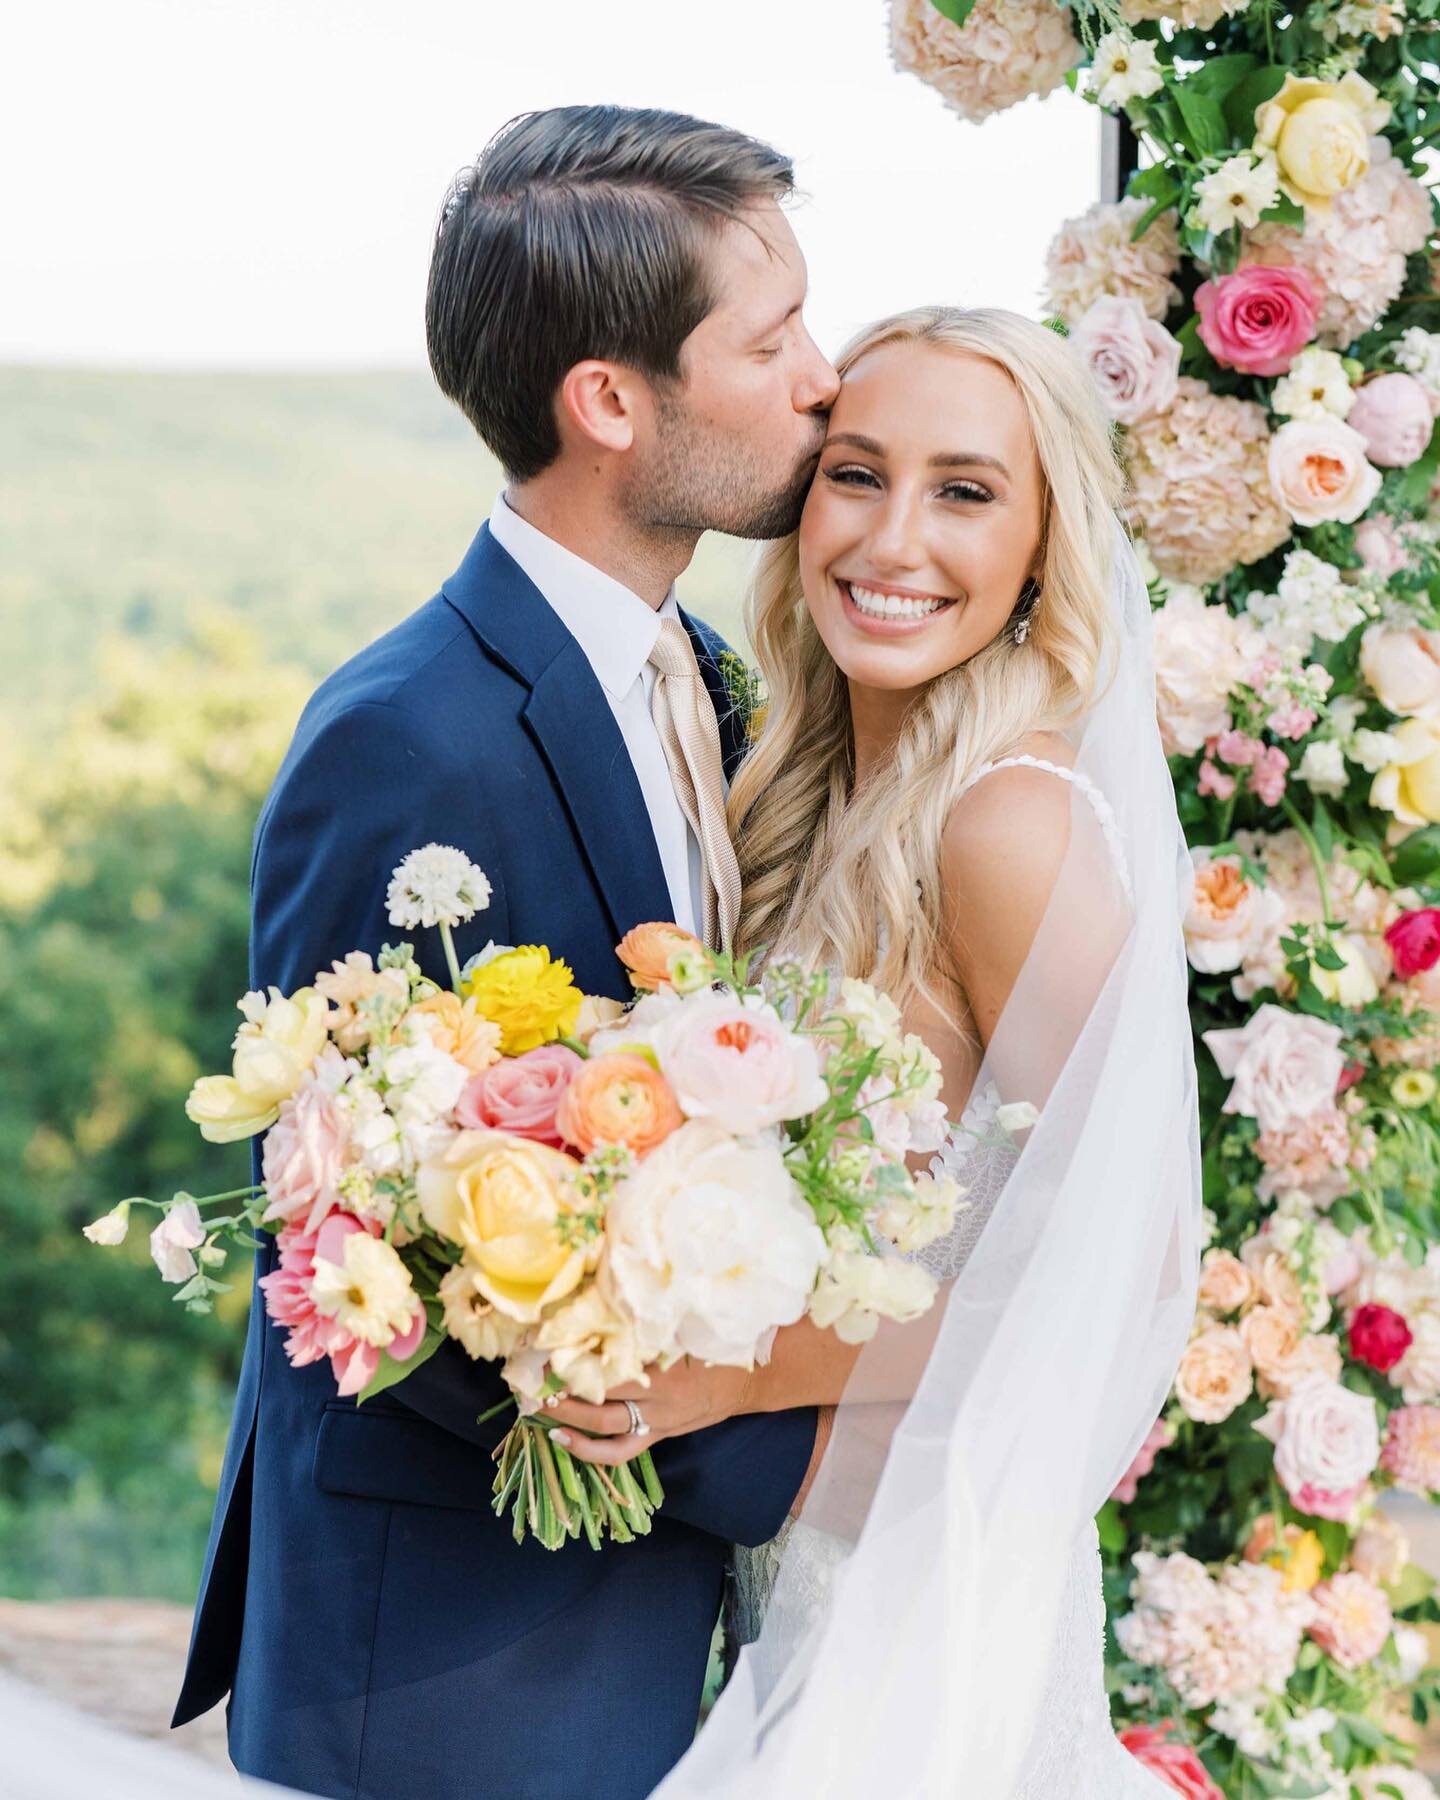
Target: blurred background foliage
{"x":184,"y":557}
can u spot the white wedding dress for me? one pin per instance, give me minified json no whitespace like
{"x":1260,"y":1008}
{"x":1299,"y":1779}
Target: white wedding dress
{"x":1076,"y":1741}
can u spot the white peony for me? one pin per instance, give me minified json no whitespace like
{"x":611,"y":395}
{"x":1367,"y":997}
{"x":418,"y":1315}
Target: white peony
{"x":710,"y":1245}
{"x":1325,"y":1436}
{"x":1284,"y":1066}
{"x":436,"y":885}
{"x":171,"y":1242}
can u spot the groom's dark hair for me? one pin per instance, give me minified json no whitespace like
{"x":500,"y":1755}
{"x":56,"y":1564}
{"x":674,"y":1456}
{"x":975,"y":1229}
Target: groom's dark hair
{"x":579,"y":232}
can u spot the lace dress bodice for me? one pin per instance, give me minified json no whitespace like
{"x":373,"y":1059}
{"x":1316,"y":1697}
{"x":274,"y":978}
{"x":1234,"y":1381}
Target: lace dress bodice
{"x":1076,"y":1753}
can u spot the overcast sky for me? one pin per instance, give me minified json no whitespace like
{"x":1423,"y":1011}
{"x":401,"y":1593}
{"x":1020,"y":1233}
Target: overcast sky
{"x":255,"y":182}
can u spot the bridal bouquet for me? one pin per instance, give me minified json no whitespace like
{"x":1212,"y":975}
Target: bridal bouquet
{"x":571,"y":1187}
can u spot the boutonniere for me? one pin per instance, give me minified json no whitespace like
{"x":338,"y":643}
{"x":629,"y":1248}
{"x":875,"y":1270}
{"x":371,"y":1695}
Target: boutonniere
{"x":745,"y":688}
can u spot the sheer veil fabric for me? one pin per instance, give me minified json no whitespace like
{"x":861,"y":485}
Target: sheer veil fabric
{"x":954,"y":1518}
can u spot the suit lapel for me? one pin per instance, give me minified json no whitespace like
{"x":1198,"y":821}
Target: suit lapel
{"x":570,"y":721}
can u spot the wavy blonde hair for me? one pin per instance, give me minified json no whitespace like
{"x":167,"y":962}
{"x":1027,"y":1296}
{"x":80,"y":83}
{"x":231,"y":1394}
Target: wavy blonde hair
{"x":850,"y":878}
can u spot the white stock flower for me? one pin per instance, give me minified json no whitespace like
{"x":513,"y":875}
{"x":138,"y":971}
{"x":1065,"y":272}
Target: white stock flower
{"x":1322,"y":768}
{"x":1373,"y":750}
{"x":110,"y":1228}
{"x":916,"y":1219}
{"x":173,"y":1239}
{"x":711,"y":1244}
{"x":1237,"y":192}
{"x":1017,"y":1115}
{"x":1417,"y":351}
{"x":1125,"y":68}
{"x":874,"y":1015}
{"x":1315,"y":387}
{"x":436,"y":885}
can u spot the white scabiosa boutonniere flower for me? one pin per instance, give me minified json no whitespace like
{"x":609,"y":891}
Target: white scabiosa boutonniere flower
{"x":436,"y":885}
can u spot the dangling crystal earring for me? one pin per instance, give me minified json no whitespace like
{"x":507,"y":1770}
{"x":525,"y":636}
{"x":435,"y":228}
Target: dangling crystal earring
{"x":1029,"y":600}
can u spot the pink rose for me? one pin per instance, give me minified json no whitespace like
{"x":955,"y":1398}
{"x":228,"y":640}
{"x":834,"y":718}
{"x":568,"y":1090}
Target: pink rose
{"x":1379,"y":1336}
{"x":1378,"y":545}
{"x":1134,"y":360}
{"x":1259,"y":318}
{"x":520,"y":1094}
{"x":737,"y":1064}
{"x":1326,"y":1438}
{"x":1160,"y":1435}
{"x":1392,"y":414}
{"x":305,"y":1155}
{"x":1414,"y":941}
{"x":1284,"y":1065}
{"x":1318,"y":471}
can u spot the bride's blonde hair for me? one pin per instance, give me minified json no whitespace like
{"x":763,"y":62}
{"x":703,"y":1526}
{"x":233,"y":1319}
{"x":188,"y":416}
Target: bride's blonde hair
{"x":851,"y":879}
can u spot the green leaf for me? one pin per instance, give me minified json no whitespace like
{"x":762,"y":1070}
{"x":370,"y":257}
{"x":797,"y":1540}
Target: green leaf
{"x":1415,"y":488}
{"x":1110,"y":1528}
{"x":1285,"y":211}
{"x":1410,"y":1587}
{"x":1216,"y":77}
{"x":1324,"y":836}
{"x":957,"y":11}
{"x":1162,"y":203}
{"x":391,"y":1373}
{"x":1418,"y":857}
{"x":1253,"y":90}
{"x":1203,"y":118}
{"x":1149,"y":183}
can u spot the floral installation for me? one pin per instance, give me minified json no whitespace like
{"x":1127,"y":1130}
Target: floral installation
{"x":1260,"y":314}
{"x":572,"y":1188}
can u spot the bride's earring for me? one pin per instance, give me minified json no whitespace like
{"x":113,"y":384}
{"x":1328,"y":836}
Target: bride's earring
{"x":1029,"y":600}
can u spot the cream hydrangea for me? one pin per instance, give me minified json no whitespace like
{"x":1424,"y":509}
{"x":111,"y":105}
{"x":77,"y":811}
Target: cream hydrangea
{"x":1201,"y":14}
{"x":1093,"y":255}
{"x":1200,"y":484}
{"x":1005,"y":52}
{"x":1355,"y":251}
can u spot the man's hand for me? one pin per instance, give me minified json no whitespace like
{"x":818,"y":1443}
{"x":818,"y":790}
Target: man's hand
{"x":687,"y":1397}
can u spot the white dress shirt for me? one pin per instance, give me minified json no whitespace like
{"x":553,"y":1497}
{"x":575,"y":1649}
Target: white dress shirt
{"x":617,"y":631}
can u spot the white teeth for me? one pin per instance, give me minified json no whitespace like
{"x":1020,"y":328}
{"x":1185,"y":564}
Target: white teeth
{"x":878,"y":605}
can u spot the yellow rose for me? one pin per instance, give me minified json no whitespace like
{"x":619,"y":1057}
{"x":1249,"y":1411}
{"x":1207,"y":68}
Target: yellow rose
{"x":274,"y":1050}
{"x":1320,"y":134}
{"x":533,"y":999}
{"x":1354,"y":985}
{"x":1409,"y":787}
{"x":504,"y":1199}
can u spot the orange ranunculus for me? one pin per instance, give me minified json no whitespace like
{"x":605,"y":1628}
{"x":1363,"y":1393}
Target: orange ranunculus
{"x":646,"y":951}
{"x":460,"y":1029}
{"x":618,"y":1099}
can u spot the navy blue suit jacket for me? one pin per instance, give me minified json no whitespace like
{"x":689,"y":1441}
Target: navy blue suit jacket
{"x":380,"y":1633}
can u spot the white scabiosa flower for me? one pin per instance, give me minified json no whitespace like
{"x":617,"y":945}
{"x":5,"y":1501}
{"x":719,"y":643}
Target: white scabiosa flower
{"x":1315,"y":387}
{"x":1125,"y":69}
{"x":436,"y":885}
{"x":1237,"y":192}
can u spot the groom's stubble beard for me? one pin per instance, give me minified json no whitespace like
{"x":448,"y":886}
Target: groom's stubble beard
{"x":698,"y":479}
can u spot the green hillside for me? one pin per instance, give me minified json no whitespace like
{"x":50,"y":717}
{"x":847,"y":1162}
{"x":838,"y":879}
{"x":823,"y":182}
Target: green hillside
{"x":320,"y":507}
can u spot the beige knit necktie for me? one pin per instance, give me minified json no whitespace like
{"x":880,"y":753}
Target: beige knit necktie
{"x":685,"y":720}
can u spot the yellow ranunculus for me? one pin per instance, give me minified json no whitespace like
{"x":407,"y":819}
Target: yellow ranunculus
{"x":532,"y":998}
{"x":1409,"y":787}
{"x":503,"y":1199}
{"x":274,"y":1050}
{"x":1319,"y":132}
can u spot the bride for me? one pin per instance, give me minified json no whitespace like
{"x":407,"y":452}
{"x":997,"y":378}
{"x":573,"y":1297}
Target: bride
{"x":958,"y":793}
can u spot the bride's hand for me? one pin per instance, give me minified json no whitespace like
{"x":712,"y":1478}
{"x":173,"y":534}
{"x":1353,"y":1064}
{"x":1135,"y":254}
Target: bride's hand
{"x":686,"y":1397}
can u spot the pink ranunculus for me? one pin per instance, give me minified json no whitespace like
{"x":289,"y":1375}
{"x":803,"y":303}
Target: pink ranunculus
{"x":738,"y":1064}
{"x":1392,"y":413}
{"x":1160,"y":1435}
{"x":1319,"y":471}
{"x":520,"y":1094}
{"x":1414,"y":941}
{"x":1259,"y":318}
{"x":1379,"y":1336}
{"x":1170,"y":1760}
{"x":1284,"y":1066}
{"x":305,"y":1155}
{"x":1379,"y":546}
{"x":1134,"y":360}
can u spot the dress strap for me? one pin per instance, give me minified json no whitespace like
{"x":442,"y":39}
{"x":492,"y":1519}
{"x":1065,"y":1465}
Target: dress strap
{"x":1104,"y":812}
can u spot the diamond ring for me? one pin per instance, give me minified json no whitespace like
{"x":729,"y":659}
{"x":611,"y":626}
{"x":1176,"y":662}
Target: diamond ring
{"x":638,"y":1427}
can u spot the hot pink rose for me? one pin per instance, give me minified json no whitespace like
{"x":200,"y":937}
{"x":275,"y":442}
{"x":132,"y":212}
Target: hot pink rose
{"x":737,"y":1064}
{"x":1157,"y":1438}
{"x":1379,"y":1336}
{"x":1414,"y":941}
{"x":520,"y":1094}
{"x":1259,"y":318}
{"x":1170,"y":1759}
{"x":305,"y":1155}
{"x":1392,"y":413}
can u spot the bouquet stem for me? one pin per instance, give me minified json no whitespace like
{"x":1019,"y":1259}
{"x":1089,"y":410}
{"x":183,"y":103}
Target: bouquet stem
{"x":553,"y":1496}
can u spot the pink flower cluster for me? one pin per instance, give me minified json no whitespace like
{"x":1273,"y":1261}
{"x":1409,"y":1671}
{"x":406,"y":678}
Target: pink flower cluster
{"x":1267,"y":764}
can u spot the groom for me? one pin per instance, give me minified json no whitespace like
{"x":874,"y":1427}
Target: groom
{"x":615,"y":304}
